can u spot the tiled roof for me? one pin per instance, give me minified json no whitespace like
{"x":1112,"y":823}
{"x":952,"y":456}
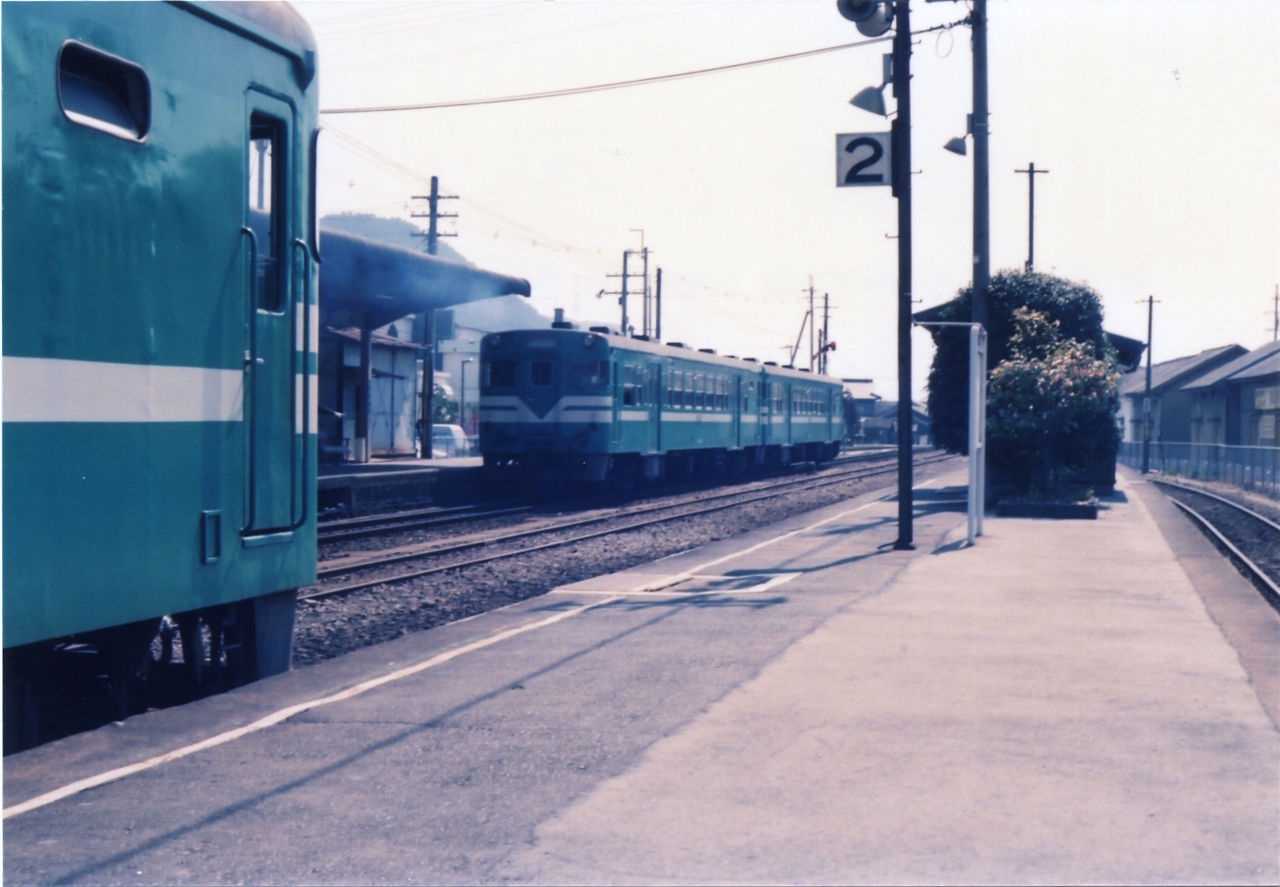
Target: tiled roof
{"x":1254,"y":363}
{"x":1171,"y":372}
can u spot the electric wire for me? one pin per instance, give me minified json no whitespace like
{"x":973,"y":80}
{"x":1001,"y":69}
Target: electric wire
{"x":602,"y":87}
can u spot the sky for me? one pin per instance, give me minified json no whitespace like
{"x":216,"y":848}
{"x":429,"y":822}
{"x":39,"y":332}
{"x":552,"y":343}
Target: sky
{"x":1158,"y":122}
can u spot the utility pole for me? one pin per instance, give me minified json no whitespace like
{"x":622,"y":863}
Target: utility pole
{"x":812,"y":352}
{"x":433,"y":215}
{"x":826,"y":319}
{"x":657,"y":312}
{"x":648,"y":311}
{"x":649,"y":315}
{"x":1146,"y":400}
{"x":433,"y":236}
{"x":1031,"y":173}
{"x":981,"y":167}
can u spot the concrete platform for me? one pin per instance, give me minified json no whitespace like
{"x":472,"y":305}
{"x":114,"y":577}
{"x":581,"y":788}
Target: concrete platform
{"x":1066,"y":702}
{"x":382,"y":484}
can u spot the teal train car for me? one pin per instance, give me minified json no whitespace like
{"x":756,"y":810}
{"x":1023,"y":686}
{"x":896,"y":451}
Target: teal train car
{"x":591,"y":406}
{"x":160,"y":269}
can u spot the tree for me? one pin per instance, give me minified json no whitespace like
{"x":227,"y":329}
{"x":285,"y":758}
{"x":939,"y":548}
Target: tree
{"x":444,"y":410}
{"x":1051,"y":406}
{"x":1074,"y":307}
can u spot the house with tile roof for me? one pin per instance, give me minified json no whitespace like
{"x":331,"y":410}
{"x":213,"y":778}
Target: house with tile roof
{"x":1237,"y":403}
{"x":1171,"y":405}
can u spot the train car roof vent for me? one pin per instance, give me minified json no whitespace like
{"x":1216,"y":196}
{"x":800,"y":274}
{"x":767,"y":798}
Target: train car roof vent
{"x":561,"y":325}
{"x":805,"y":370}
{"x":771,"y":363}
{"x":751,"y":360}
{"x":641,"y":336}
{"x":677,"y":345}
{"x":707,"y":350}
{"x":601,"y":329}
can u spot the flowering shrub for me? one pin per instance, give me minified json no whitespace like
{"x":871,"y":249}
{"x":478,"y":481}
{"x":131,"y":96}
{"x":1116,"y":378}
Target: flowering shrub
{"x":1051,"y":405}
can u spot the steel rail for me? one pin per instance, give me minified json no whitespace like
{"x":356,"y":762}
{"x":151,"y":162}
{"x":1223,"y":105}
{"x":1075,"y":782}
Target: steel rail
{"x":377,"y":525}
{"x":1269,"y":589}
{"x":1263,"y":519}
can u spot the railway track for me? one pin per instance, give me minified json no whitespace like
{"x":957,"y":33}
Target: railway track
{"x":1250,"y":539}
{"x":340,"y":576}
{"x":339,"y":530}
{"x":414,"y":519}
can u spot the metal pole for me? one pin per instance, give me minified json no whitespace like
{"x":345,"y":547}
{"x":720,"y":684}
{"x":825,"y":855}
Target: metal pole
{"x":428,"y":381}
{"x":902,"y":190}
{"x":1031,"y":173}
{"x":1031,"y":215}
{"x":623,"y":301}
{"x":1146,"y":400}
{"x":981,"y":168}
{"x":657,"y":308}
{"x":812,"y":324}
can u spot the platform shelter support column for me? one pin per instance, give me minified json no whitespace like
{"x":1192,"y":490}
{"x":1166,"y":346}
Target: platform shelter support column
{"x":977,"y":421}
{"x":977,"y":428}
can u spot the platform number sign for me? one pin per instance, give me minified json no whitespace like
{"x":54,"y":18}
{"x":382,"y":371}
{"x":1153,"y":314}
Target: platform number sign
{"x":863,"y":158}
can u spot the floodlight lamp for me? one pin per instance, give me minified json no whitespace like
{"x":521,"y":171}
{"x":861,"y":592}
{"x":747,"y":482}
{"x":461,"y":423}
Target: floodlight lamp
{"x":956,"y":146}
{"x":870,"y":99}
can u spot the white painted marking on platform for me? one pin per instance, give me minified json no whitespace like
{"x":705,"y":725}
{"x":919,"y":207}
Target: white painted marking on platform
{"x":284,"y":714}
{"x":657,"y":585}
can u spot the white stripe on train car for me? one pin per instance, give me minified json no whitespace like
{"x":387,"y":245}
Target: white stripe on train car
{"x":38,"y":389}
{"x":313,"y":427}
{"x":570,"y":408}
{"x":697,"y":418}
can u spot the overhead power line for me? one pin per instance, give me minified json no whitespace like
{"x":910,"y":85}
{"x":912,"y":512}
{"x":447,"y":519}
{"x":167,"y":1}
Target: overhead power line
{"x":602,"y":87}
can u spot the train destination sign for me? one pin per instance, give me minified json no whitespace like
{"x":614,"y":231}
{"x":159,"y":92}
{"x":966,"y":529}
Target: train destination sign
{"x":863,"y":158}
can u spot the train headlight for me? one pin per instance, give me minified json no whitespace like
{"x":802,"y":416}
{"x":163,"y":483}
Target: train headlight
{"x":589,"y":340}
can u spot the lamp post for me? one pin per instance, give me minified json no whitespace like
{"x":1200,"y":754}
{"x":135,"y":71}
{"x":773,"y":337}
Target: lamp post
{"x":873,"y":19}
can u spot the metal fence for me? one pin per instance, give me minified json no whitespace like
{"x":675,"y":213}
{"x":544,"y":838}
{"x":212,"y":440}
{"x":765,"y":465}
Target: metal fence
{"x":1250,"y":468}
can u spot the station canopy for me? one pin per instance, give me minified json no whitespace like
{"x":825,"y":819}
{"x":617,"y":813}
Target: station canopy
{"x":368,"y":284}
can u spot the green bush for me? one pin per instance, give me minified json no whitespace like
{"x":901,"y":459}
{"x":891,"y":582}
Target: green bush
{"x":1075,"y":307}
{"x":1052,"y":395}
{"x":1051,"y":407}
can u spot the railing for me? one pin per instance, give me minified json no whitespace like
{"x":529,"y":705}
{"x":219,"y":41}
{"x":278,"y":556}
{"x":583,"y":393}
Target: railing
{"x":1249,"y":468}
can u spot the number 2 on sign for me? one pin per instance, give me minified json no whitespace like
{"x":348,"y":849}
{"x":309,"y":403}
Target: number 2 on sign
{"x":855,"y":175}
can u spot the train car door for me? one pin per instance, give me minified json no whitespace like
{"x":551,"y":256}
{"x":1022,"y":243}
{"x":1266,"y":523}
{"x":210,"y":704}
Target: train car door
{"x":653,"y":402}
{"x":619,"y":382}
{"x":271,"y":223}
{"x":766,"y":412}
{"x":735,"y":392}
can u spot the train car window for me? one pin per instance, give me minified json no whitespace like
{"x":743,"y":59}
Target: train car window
{"x":266,"y":198}
{"x":540,"y":373}
{"x":589,"y":374}
{"x":104,"y":92}
{"x":630,"y":385}
{"x":499,"y":373}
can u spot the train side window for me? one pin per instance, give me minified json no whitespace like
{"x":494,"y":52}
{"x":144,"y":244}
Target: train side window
{"x":540,"y":373}
{"x":499,"y":373}
{"x":266,"y":200}
{"x":104,"y":92}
